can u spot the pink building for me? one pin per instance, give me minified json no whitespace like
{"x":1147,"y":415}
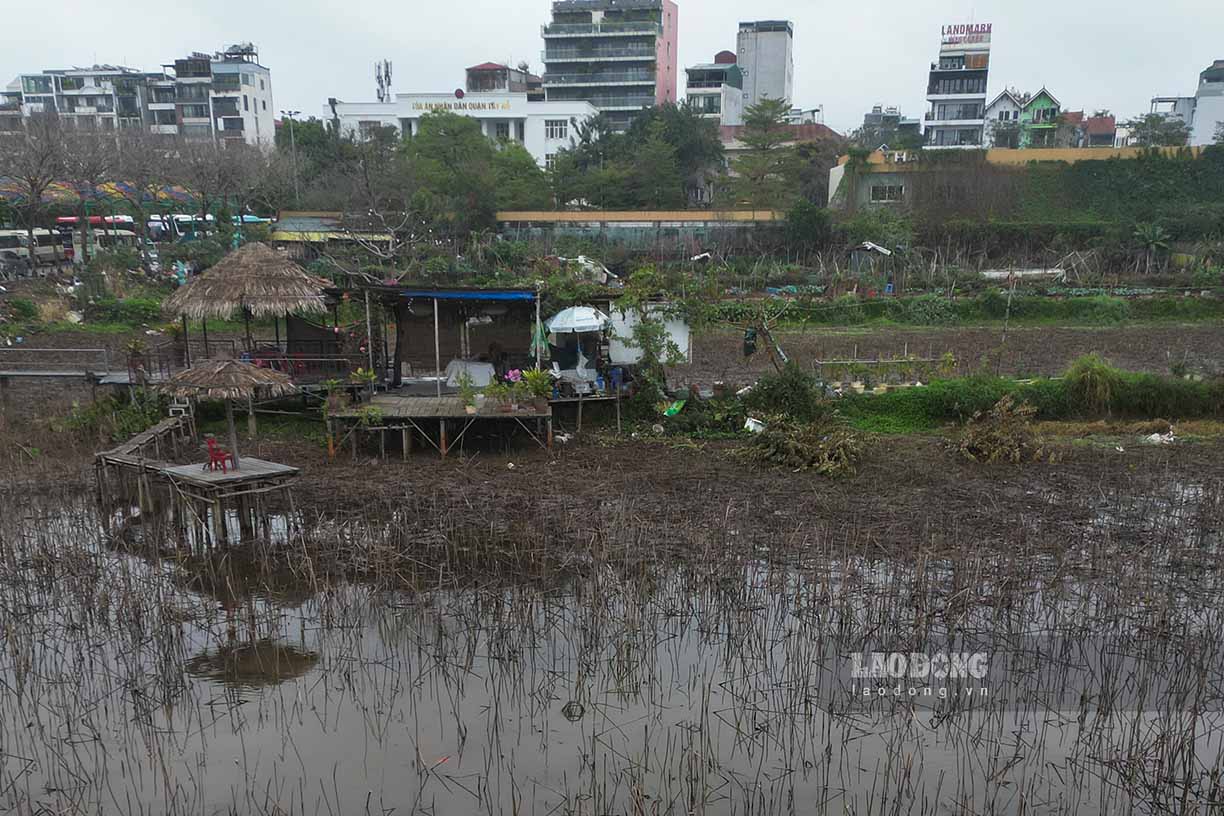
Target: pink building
{"x":619,"y":55}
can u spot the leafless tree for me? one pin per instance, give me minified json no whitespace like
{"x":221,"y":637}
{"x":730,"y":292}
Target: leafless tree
{"x":197,"y":166}
{"x":90,"y":160}
{"x":33,"y":160}
{"x":145,"y":165}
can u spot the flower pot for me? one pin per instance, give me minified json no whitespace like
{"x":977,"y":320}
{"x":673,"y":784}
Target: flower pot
{"x":540,"y":404}
{"x":505,"y":407}
{"x":470,"y":409}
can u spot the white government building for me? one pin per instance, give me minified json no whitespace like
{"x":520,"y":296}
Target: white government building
{"x":508,"y":103}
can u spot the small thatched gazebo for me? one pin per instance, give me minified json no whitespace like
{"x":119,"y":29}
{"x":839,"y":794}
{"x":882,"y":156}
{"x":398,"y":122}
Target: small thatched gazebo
{"x":254,"y":280}
{"x":229,"y":380}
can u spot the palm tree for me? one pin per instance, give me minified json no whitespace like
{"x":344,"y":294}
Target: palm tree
{"x":1153,"y":239}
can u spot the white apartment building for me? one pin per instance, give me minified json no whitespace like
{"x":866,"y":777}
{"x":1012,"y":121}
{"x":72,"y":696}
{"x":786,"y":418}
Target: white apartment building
{"x":956,"y":87}
{"x":543,"y":128}
{"x":765,"y":54}
{"x":225,"y":96}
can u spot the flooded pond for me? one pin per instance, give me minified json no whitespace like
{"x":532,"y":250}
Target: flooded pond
{"x":135,"y":682}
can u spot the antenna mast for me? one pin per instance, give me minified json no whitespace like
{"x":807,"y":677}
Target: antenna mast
{"x":382,"y":76}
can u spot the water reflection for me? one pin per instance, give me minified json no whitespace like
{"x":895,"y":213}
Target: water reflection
{"x":252,"y":665}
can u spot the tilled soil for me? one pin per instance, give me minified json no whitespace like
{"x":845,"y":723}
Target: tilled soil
{"x":718,"y":355}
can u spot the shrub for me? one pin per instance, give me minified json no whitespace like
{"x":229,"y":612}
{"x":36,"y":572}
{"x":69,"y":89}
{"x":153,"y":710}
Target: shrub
{"x":830,"y":450}
{"x":1002,"y":434}
{"x":793,"y":393}
{"x":926,"y":310}
{"x":133,"y":311}
{"x":23,"y":309}
{"x":1091,"y":384}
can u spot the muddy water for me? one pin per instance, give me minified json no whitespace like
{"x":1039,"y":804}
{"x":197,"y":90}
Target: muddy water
{"x":127,"y":687}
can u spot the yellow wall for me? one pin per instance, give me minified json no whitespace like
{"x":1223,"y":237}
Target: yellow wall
{"x":878,"y":161}
{"x":604,"y":216}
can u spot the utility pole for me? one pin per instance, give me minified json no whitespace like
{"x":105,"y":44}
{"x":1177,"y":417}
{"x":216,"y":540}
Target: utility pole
{"x":297,"y":197}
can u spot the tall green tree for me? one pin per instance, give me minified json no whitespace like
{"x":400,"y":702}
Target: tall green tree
{"x":518,"y":181}
{"x":656,"y":180}
{"x":1157,"y":130}
{"x":761,"y":175}
{"x":453,"y":161}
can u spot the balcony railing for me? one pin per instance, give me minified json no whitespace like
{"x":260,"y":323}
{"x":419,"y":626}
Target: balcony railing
{"x":608,"y":78}
{"x":601,"y":29}
{"x":595,"y":54}
{"x":621,"y":101}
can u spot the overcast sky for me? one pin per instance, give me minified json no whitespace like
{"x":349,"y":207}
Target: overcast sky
{"x":1113,"y":54}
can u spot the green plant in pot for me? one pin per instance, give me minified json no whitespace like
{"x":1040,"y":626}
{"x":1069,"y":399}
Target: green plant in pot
{"x":467,"y":392}
{"x":539,"y":387}
{"x":499,"y":394}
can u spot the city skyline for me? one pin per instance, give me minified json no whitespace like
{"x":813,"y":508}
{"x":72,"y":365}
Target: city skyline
{"x":1096,"y":55}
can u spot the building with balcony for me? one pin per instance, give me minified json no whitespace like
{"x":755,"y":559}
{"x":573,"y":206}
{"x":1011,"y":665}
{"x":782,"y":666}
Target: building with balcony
{"x":765,"y":52}
{"x":493,"y":77}
{"x":716,"y":89}
{"x":544,"y":128}
{"x":618,"y":55}
{"x":956,"y":88}
{"x":225,"y":96}
{"x":888,"y":126}
{"x":101,"y":98}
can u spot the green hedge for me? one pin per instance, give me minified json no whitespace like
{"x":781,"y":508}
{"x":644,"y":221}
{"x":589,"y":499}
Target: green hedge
{"x":1138,"y":396}
{"x":936,"y":310}
{"x":134,"y":311}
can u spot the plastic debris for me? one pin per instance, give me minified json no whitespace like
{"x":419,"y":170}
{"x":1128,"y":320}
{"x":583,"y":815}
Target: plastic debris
{"x":754,"y":425}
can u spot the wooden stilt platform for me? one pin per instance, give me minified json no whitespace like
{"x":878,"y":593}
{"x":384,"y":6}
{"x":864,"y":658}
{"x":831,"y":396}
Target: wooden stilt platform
{"x":202,"y":504}
{"x":408,"y":414}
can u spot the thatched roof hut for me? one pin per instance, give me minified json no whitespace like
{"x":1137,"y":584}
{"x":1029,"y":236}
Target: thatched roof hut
{"x":253,"y":280}
{"x":228,"y":380}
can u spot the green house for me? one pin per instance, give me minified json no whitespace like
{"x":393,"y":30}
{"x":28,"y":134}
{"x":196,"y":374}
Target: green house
{"x":1039,"y":120}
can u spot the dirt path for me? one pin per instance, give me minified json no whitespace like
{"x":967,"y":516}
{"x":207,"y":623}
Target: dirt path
{"x":718,"y":355}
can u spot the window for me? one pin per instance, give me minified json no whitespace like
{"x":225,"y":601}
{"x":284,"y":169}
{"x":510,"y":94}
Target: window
{"x":502,"y":131}
{"x":36,"y":84}
{"x":246,"y":103}
{"x":195,"y":111}
{"x":887,"y":193}
{"x":519,"y":129}
{"x":556,"y":128}
{"x":261,"y":84}
{"x":197,"y":131}
{"x":265,"y":104}
{"x":549,"y":160}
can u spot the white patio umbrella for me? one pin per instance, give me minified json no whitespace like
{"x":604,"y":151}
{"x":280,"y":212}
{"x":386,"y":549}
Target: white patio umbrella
{"x":578,"y":319}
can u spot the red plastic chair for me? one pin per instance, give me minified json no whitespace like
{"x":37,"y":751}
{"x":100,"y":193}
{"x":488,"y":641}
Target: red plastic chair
{"x":219,"y":457}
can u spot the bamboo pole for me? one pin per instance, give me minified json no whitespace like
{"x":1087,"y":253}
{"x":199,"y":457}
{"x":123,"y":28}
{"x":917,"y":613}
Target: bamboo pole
{"x":233,"y":432}
{"x":437,"y":352}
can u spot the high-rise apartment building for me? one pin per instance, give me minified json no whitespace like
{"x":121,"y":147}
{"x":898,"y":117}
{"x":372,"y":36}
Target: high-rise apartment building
{"x":956,"y":88}
{"x":225,"y":96}
{"x":765,"y":53}
{"x":619,"y":55}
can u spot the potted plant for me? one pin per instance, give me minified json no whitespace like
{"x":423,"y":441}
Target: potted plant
{"x":467,"y":392}
{"x":539,"y":386}
{"x":365,"y":377}
{"x":514,"y":378}
{"x":499,"y":394}
{"x":335,"y":396}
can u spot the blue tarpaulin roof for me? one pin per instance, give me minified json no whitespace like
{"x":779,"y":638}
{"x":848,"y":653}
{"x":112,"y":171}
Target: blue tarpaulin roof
{"x":469,"y":294}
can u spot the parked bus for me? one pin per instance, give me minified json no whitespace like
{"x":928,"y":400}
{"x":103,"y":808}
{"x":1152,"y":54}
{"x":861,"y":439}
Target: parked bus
{"x":178,"y":227}
{"x":49,"y":246}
